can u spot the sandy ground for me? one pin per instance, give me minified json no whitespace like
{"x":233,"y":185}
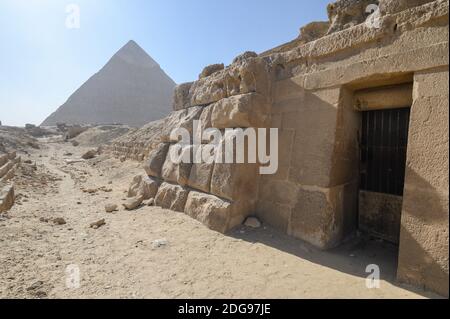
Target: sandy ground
{"x":121,"y":260}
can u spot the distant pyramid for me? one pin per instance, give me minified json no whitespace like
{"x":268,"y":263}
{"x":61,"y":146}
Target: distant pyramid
{"x":130,"y":89}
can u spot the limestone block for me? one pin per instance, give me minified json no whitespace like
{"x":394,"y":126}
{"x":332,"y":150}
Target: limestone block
{"x":156,"y":159}
{"x":181,"y":96}
{"x":172,"y":197}
{"x":211,"y":69}
{"x":174,"y":172}
{"x":3,"y":159}
{"x":246,"y":75}
{"x":246,"y":110}
{"x":344,"y":14}
{"x":6,"y":198}
{"x":204,"y":130}
{"x":244,"y":57}
{"x":144,"y":186}
{"x":180,"y":119}
{"x":200,"y":177}
{"x":235,"y":181}
{"x":313,"y":31}
{"x":394,"y":6}
{"x":6,"y":168}
{"x":324,"y":216}
{"x":209,"y":210}
{"x":274,"y":214}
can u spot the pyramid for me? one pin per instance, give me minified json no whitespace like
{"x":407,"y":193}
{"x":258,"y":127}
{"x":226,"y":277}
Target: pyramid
{"x":130,"y":89}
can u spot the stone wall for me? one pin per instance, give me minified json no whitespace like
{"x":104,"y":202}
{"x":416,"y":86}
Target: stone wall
{"x":310,"y":90}
{"x":425,"y":218}
{"x":8,"y":165}
{"x":217,"y":194}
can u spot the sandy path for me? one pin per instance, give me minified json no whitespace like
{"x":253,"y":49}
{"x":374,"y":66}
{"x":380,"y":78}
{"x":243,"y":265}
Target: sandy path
{"x":118,"y":260}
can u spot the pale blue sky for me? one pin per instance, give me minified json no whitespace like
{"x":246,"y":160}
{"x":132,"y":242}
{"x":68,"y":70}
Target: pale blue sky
{"x":42,"y":62}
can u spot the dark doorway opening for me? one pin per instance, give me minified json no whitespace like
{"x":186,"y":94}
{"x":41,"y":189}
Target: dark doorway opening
{"x":383,"y":152}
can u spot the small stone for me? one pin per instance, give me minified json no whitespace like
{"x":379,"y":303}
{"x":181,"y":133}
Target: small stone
{"x":36,"y":285}
{"x":151,"y":202}
{"x":89,"y":154}
{"x":253,"y":222}
{"x":109,"y":208}
{"x":159,"y":243}
{"x":59,"y":221}
{"x":98,"y":224}
{"x":133,"y":203}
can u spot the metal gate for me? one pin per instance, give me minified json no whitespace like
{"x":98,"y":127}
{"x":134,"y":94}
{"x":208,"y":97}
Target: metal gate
{"x":384,"y":141}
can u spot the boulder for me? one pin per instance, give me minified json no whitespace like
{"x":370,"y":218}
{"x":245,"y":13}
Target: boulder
{"x":133,"y":203}
{"x":235,"y":181}
{"x":89,"y":154}
{"x":344,"y":14}
{"x":98,"y":224}
{"x":172,"y":197}
{"x":313,"y":31}
{"x":177,"y":172}
{"x":109,"y":208}
{"x":252,"y":222}
{"x":246,"y":110}
{"x":59,"y":221}
{"x":156,"y":159}
{"x":249,"y":73}
{"x":144,"y":186}
{"x":7,"y":197}
{"x":210,"y":210}
{"x":200,"y":177}
{"x":244,"y":57}
{"x":181,"y":96}
{"x":180,"y":119}
{"x":211,"y":69}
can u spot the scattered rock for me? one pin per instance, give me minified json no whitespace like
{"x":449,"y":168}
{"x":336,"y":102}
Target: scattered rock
{"x":98,"y":224}
{"x":59,"y":221}
{"x":89,"y":154}
{"x":109,"y":208}
{"x":133,"y":203}
{"x":6,"y":198}
{"x":72,"y":161}
{"x":35,"y":286}
{"x":143,"y":185}
{"x":159,"y":243}
{"x":75,"y":143}
{"x":123,"y":159}
{"x":253,"y":222}
{"x":151,"y":202}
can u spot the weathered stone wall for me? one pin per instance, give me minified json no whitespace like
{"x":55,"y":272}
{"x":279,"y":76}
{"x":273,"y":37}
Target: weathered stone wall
{"x":8,"y":165}
{"x":219,"y":195}
{"x":425,"y":218}
{"x":310,"y":89}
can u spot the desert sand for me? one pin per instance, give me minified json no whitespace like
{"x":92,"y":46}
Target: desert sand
{"x":156,"y":253}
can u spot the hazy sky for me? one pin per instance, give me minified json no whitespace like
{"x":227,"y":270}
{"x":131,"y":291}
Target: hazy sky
{"x":42,"y":62}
